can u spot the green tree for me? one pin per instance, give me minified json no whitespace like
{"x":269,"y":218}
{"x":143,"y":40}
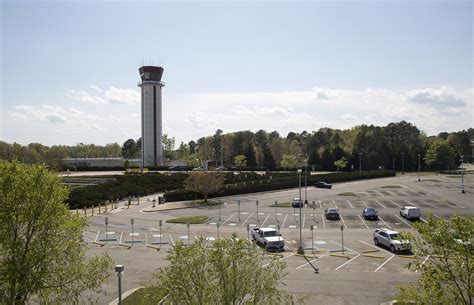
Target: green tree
{"x":447,"y":271}
{"x":232,"y":271}
{"x":440,"y":155}
{"x":240,"y":161}
{"x":289,"y":161}
{"x":129,"y":149}
{"x":341,"y":163}
{"x":204,"y":183}
{"x":268,"y":160}
{"x":42,"y":248}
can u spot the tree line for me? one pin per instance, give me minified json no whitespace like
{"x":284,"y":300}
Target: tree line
{"x":396,"y":146}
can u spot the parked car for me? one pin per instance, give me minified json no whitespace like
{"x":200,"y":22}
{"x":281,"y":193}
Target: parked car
{"x":410,"y":212}
{"x":391,"y":239}
{"x":270,"y":238}
{"x":370,"y":213}
{"x":323,"y":185}
{"x":331,"y":214}
{"x":178,"y":168}
{"x":297,"y":203}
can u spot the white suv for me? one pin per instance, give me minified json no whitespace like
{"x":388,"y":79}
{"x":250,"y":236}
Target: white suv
{"x":391,"y":239}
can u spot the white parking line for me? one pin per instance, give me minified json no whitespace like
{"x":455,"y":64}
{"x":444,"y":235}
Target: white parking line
{"x":343,"y":222}
{"x":363,"y":222}
{"x":395,"y":203}
{"x":334,"y":201}
{"x":263,"y":223}
{"x":171,"y":239}
{"x":347,"y":262}
{"x":301,"y":266}
{"x":304,"y":218}
{"x":364,"y":204}
{"x":349,"y":203}
{"x":384,"y":222}
{"x":146,"y":239}
{"x":228,"y":218}
{"x":247,"y":219}
{"x":403,"y":220}
{"x":120,"y":241}
{"x":283,"y":258}
{"x":380,"y":204}
{"x":98,"y":232}
{"x":344,"y":247}
{"x":384,"y":263}
{"x":320,"y":206}
{"x":284,"y":220}
{"x":431,"y":205}
{"x":378,"y":248}
{"x":324,"y":223}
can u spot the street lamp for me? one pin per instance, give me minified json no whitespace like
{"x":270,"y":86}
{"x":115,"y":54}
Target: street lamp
{"x":305,"y":187}
{"x":403,"y":163}
{"x":360,"y":162}
{"x":462,"y":175}
{"x":119,"y":269}
{"x":419,"y":167}
{"x":300,"y":248}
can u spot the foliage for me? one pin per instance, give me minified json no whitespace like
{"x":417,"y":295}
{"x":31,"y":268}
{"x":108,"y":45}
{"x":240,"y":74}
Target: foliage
{"x":284,"y":182}
{"x":232,"y":271}
{"x":240,"y":161}
{"x":204,"y":183}
{"x":341,"y":163}
{"x":41,"y":246}
{"x":130,"y":149}
{"x":447,"y":272}
{"x":145,"y":296}
{"x":440,"y":155}
{"x":289,"y":162}
{"x":192,"y":219}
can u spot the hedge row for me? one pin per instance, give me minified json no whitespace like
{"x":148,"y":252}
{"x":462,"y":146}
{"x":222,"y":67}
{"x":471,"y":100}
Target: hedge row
{"x":278,"y":184}
{"x":124,"y":186}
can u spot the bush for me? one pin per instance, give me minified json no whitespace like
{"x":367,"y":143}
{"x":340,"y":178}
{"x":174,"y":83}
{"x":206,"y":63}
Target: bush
{"x":278,"y":184}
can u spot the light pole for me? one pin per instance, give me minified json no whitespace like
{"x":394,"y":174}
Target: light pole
{"x":160,"y":223}
{"x":276,"y":210}
{"x":106,"y":230}
{"x":119,"y":269}
{"x":188,"y":225}
{"x":133,"y":234}
{"x":238,"y":204}
{"x":312,"y":238}
{"x":342,"y":235}
{"x":403,"y":163}
{"x":300,"y":248}
{"x":258,"y":219}
{"x":419,"y":166}
{"x":305,"y":187}
{"x":462,"y":175}
{"x":218,"y":235}
{"x":248,"y":232}
{"x":360,"y":162}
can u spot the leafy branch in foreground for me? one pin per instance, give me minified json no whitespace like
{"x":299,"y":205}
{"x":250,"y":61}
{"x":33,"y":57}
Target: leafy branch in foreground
{"x":231,"y":271}
{"x":447,"y":270}
{"x":42,"y":249}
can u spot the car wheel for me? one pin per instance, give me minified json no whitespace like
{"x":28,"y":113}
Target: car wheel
{"x":392,"y":248}
{"x":401,"y":214}
{"x":376,"y":241}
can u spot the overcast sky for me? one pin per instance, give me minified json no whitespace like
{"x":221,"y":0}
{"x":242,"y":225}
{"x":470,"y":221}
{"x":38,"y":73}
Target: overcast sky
{"x":69,"y":71}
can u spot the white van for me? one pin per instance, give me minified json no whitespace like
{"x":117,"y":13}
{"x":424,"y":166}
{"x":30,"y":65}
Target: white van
{"x":410,"y":213}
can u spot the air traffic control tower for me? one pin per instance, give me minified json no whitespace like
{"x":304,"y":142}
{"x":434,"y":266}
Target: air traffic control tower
{"x":151,"y":85}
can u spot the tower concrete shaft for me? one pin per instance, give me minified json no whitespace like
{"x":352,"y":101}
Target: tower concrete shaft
{"x":151,"y":85}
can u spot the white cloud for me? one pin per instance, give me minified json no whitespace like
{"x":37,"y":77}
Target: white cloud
{"x":436,"y":98}
{"x":122,"y":96}
{"x":96,"y":88}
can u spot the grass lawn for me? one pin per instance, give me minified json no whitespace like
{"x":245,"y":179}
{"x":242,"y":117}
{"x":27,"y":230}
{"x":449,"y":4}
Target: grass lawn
{"x":145,"y":296}
{"x":391,"y":187}
{"x":346,"y":194}
{"x":201,"y":203}
{"x":192,"y":219}
{"x":282,"y":205}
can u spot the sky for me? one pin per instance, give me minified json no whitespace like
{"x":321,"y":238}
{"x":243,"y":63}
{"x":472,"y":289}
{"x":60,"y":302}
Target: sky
{"x":69,"y":70}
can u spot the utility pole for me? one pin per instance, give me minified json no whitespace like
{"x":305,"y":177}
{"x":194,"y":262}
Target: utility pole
{"x":462,"y":175}
{"x":419,"y":166}
{"x":300,"y":248}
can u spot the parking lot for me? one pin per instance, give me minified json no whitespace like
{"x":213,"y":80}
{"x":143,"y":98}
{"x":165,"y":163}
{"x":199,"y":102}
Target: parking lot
{"x":340,"y":279}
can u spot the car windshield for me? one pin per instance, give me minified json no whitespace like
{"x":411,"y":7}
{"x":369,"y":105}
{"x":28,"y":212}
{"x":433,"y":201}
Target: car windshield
{"x":371,"y":210}
{"x":270,"y":233}
{"x":393,"y":236}
{"x":332,"y":211}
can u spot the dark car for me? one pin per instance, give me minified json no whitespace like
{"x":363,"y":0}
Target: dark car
{"x":370,"y":213}
{"x":178,"y":168}
{"x":331,"y":214}
{"x":297,"y":203}
{"x":322,"y":185}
